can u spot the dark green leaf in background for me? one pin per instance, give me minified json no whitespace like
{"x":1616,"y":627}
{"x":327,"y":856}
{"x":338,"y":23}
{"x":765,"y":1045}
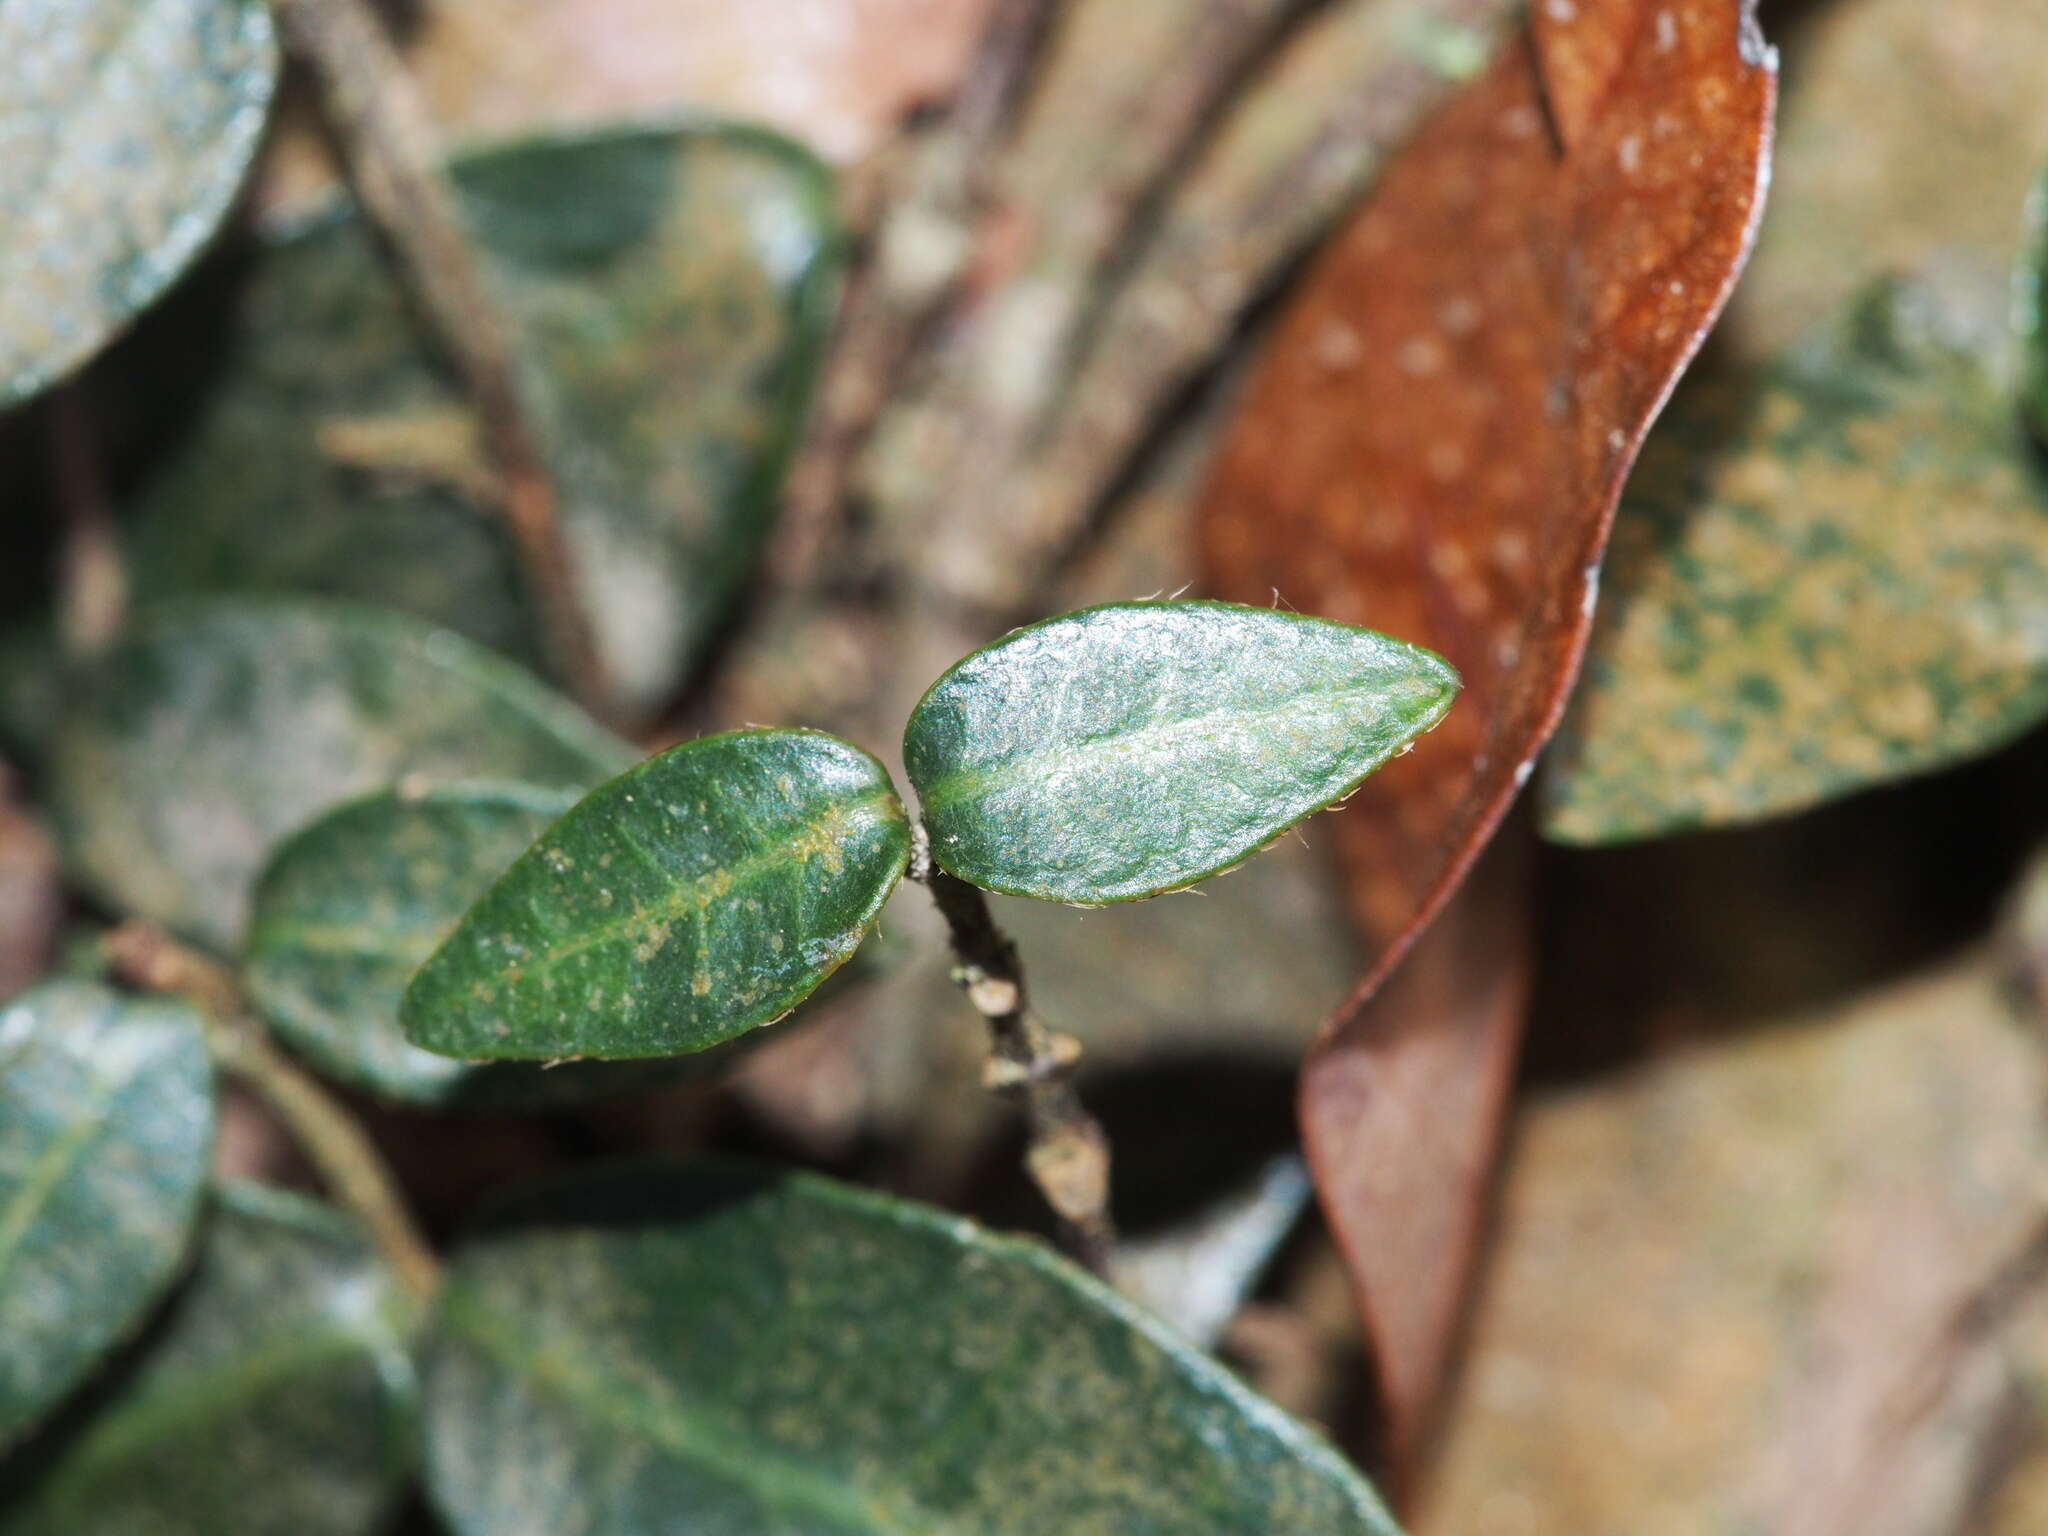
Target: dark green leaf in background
{"x":1131,"y":749}
{"x":352,"y":905}
{"x":129,"y":124}
{"x":705,"y":892}
{"x":673,"y":286}
{"x":1826,"y":574}
{"x":213,"y":730}
{"x":106,"y":1125}
{"x":730,"y":1352}
{"x":275,"y":1400}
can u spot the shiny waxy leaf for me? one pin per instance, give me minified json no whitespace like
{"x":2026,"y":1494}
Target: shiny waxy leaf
{"x":106,"y":1124}
{"x":1831,"y":572}
{"x":129,"y":125}
{"x":352,"y":906}
{"x":672,"y":288}
{"x":1131,"y":749}
{"x":704,"y":893}
{"x":738,"y":1352}
{"x":275,"y":1398}
{"x":214,"y":730}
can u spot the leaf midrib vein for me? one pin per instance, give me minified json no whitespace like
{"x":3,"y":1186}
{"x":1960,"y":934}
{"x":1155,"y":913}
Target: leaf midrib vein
{"x":974,"y":783}
{"x":687,"y":1431}
{"x":679,"y":901}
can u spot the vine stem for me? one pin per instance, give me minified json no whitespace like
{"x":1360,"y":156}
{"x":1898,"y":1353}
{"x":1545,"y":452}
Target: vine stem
{"x":387,"y":142}
{"x":92,"y":580}
{"x":1030,"y":1061}
{"x":349,"y":1163}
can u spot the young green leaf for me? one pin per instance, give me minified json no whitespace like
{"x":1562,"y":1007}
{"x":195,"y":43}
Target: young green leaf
{"x":1135,"y":748}
{"x":671,"y":288}
{"x":106,"y":1124}
{"x":353,"y":905}
{"x":778,"y":1352}
{"x":704,"y":893}
{"x":212,"y":730}
{"x":276,"y":1397}
{"x":129,"y":126}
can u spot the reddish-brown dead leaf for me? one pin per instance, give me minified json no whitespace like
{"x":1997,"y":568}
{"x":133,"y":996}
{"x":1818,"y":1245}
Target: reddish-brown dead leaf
{"x":1433,"y":444}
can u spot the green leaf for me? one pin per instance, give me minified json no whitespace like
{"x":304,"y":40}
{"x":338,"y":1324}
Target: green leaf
{"x":213,"y":730}
{"x":1135,"y":748}
{"x":1828,"y":573}
{"x":277,"y":1396}
{"x":106,"y":1125}
{"x":702,"y":894}
{"x":746,"y":1351}
{"x":129,"y":126}
{"x":352,"y":906}
{"x":673,"y":287}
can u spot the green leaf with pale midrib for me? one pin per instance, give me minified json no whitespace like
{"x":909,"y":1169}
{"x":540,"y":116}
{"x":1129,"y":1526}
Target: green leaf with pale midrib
{"x":704,"y":893}
{"x":216,"y":728}
{"x":766,"y":1349}
{"x":285,"y":1357}
{"x":130,"y":124}
{"x":354,"y":903}
{"x":106,"y":1125}
{"x":1135,"y":748}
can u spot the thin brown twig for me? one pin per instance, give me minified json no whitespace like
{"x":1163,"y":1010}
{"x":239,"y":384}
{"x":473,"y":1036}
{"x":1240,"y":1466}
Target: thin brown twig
{"x":920,"y":205}
{"x":1032,"y":1062}
{"x":354,"y":1171}
{"x":387,"y":141}
{"x":92,"y":579}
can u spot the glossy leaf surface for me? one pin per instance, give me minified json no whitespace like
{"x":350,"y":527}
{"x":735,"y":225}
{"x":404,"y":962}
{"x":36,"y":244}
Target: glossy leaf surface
{"x":1830,"y":573}
{"x":1433,"y":443}
{"x":672,"y":289}
{"x":1135,"y":748}
{"x":275,"y":1397}
{"x":129,"y":126}
{"x":214,"y":730}
{"x":356,"y":902}
{"x":106,"y":1124}
{"x":772,"y":1352}
{"x":704,"y":893}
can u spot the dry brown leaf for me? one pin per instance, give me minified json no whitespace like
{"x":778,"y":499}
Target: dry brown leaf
{"x":1433,"y":445}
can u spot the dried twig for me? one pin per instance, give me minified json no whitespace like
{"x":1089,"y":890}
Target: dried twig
{"x":920,"y":204}
{"x":92,"y":582}
{"x":355,"y":1173}
{"x":386,"y":140}
{"x":1069,"y":1154}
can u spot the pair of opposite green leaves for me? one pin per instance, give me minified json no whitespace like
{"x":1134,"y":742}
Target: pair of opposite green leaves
{"x":1106,"y":755}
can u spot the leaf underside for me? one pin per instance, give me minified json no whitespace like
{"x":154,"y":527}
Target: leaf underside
{"x":1135,"y":748}
{"x":704,"y":893}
